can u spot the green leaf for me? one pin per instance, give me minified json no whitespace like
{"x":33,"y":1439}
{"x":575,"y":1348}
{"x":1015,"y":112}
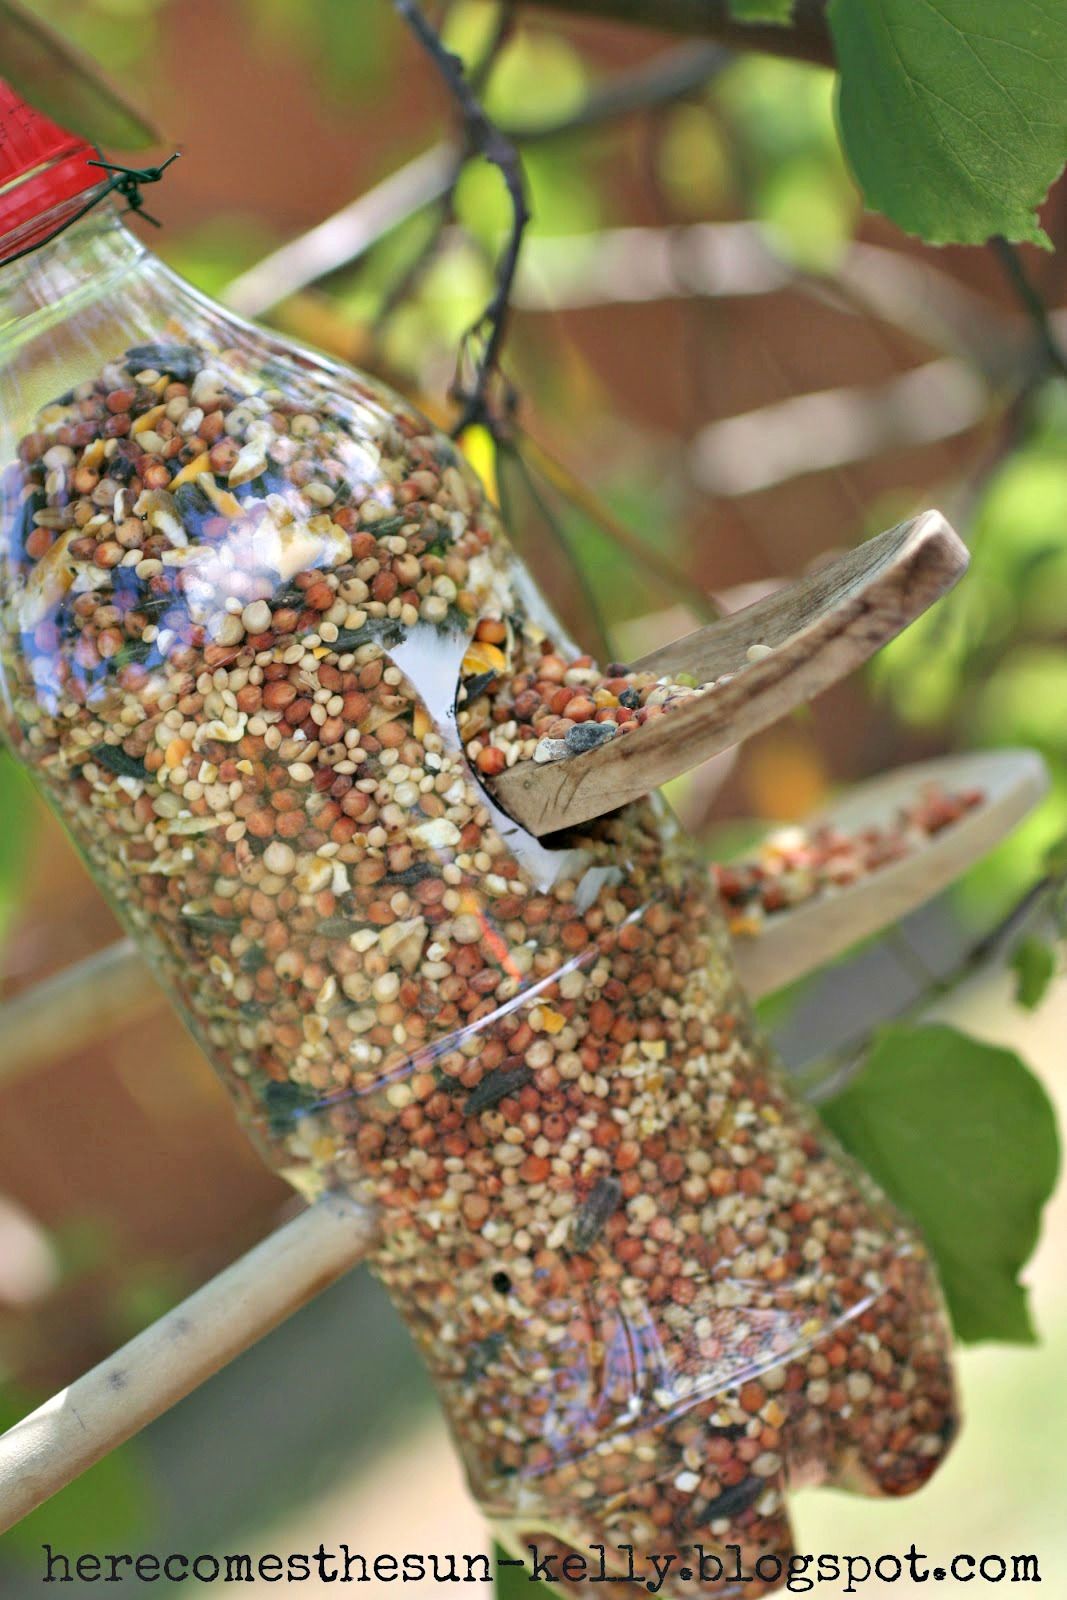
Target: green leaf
{"x":762,"y":11}
{"x":953,"y":113}
{"x":513,"y":1583}
{"x":963,"y":1137}
{"x":1034,"y":963}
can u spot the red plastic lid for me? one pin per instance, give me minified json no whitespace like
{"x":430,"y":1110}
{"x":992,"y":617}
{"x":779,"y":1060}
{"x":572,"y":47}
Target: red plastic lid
{"x":41,"y":165}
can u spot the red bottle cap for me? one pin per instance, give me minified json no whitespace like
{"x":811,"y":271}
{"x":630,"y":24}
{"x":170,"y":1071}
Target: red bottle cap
{"x":53,"y":166}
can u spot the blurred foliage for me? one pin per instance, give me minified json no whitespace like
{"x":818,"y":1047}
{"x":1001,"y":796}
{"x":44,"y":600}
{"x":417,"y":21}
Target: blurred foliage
{"x":118,"y":34}
{"x":45,"y":66}
{"x":18,"y":816}
{"x":1034,"y":962}
{"x":988,"y":665}
{"x":780,"y":11}
{"x":321,"y":37}
{"x":218,"y":249}
{"x":780,"y":117}
{"x":515,"y":1583}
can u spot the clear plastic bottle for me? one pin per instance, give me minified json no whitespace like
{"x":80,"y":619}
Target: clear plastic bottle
{"x":259,"y":626}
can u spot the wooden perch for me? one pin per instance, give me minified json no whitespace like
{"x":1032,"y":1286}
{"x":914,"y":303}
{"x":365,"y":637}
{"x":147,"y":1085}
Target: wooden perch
{"x":793,"y":944}
{"x":72,"y":1009}
{"x":817,"y":630}
{"x":105,"y":1407}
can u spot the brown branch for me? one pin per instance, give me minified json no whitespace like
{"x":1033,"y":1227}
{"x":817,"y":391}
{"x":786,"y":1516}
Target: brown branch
{"x":823,"y":1079}
{"x":481,"y":136}
{"x":808,"y":39}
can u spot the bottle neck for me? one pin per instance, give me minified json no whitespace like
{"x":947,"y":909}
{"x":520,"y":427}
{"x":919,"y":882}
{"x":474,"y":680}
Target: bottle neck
{"x":86,"y":259}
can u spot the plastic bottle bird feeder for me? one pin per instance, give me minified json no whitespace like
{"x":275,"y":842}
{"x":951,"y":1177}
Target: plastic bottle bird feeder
{"x":268,"y":653}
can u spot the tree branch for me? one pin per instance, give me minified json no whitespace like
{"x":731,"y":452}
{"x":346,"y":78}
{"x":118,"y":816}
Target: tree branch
{"x":429,"y":179}
{"x":826,"y":1077}
{"x":481,"y":136}
{"x":808,"y":39}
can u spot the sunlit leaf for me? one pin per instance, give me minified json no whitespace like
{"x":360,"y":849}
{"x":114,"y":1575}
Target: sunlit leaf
{"x":781,"y":109}
{"x":762,"y":10}
{"x":954,"y":112}
{"x":694,"y":164}
{"x":808,"y":211}
{"x":18,"y":820}
{"x":538,"y":80}
{"x":963,"y":1137}
{"x":1034,"y":963}
{"x":468,"y":30}
{"x":1025,"y":701}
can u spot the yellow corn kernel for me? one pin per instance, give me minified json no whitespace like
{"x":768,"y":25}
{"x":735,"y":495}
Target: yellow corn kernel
{"x":176,"y":752}
{"x":189,"y":473}
{"x":483,"y":657}
{"x":551,"y":1021}
{"x":147,"y":419}
{"x":225,"y":503}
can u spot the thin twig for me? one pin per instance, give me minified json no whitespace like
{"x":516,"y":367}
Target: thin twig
{"x":825,"y":1077}
{"x":353,"y":232}
{"x":807,"y":39}
{"x":413,"y":274}
{"x":481,"y":137}
{"x":675,"y":579}
{"x":1052,"y":356}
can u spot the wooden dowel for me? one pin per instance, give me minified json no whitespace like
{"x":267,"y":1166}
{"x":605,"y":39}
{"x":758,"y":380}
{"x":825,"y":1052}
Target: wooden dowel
{"x":77,"y":1006}
{"x":815,"y":632}
{"x":98,"y":1412}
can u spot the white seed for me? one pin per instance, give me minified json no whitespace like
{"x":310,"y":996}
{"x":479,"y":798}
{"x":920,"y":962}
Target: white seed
{"x":256,"y":617}
{"x":279,"y":858}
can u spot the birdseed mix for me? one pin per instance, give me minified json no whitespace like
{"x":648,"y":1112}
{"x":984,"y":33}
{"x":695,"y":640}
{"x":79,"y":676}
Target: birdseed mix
{"x":262,"y":640}
{"x":552,"y":708}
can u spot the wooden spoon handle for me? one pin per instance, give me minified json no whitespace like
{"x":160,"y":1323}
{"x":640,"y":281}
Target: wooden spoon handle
{"x":815,"y":631}
{"x":794,"y":943}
